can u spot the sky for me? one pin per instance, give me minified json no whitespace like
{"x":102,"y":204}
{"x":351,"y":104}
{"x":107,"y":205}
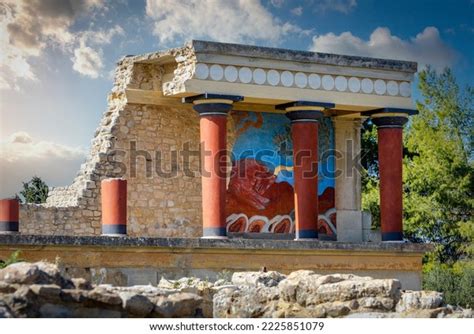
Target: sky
{"x":57,"y":57}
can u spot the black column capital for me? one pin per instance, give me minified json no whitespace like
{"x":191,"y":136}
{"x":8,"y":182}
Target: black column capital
{"x":390,"y":117}
{"x":208,"y":104}
{"x":212,"y":107}
{"x":305,"y":111}
{"x":389,"y":121}
{"x":297,"y":116}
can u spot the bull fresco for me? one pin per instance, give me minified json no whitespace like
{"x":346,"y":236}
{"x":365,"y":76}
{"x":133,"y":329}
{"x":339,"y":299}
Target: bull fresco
{"x":260,"y":190}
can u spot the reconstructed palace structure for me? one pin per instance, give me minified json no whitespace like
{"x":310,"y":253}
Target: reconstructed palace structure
{"x":218,"y":156}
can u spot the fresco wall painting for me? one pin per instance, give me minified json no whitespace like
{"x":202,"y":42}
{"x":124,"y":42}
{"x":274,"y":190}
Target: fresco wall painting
{"x":260,"y":191}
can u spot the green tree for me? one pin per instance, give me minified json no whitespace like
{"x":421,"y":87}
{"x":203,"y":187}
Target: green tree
{"x":370,"y":173}
{"x":34,"y":191}
{"x":438,"y":176}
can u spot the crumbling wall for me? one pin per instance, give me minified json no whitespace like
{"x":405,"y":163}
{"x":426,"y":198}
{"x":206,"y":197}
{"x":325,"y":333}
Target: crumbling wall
{"x":165,"y":201}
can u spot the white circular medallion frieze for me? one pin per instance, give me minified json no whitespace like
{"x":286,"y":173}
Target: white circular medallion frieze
{"x":231,"y":73}
{"x":405,"y":89}
{"x":367,"y":86}
{"x":301,"y":80}
{"x":202,"y":71}
{"x":341,"y":83}
{"x":259,"y":76}
{"x":217,"y":73}
{"x":354,"y":85}
{"x":245,"y":74}
{"x":328,"y":82}
{"x":273,"y":77}
{"x":287,"y":78}
{"x":314,"y":81}
{"x":392,"y":88}
{"x":380,"y":87}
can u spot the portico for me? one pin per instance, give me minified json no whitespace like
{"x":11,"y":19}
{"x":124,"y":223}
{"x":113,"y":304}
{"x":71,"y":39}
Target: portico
{"x":307,"y":88}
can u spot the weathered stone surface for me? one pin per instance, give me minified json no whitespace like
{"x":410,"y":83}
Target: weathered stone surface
{"x":268,"y":279}
{"x":178,"y":305}
{"x":305,"y":293}
{"x":17,"y":240}
{"x":7,"y":288}
{"x":20,"y":273}
{"x":135,"y":304}
{"x":355,"y":288}
{"x":204,"y":289}
{"x":33,"y":273}
{"x":101,"y":296}
{"x":81,"y":283}
{"x":245,"y":301}
{"x":48,"y":291}
{"x":419,"y":300}
{"x":40,"y":290}
{"x":34,"y":293}
{"x":5,"y":312}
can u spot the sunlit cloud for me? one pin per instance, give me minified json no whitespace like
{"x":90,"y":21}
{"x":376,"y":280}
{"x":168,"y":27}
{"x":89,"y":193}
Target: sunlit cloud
{"x":22,"y":156}
{"x":245,"y":21}
{"x":29,"y":27}
{"x":426,"y":47}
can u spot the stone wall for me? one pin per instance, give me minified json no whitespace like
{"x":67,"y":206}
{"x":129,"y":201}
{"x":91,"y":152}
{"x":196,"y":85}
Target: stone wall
{"x":130,"y":261}
{"x":158,"y":204}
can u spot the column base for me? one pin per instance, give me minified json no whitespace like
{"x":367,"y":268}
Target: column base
{"x":114,"y":230}
{"x":214,"y":233}
{"x":215,"y":238}
{"x":392,"y":236}
{"x":306,"y":235}
{"x":9,"y":232}
{"x":9,"y":226}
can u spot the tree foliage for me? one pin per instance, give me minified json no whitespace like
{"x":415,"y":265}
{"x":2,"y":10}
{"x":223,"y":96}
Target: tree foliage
{"x":13,"y":258}
{"x":370,"y":173}
{"x":438,"y":177}
{"x":34,"y":191}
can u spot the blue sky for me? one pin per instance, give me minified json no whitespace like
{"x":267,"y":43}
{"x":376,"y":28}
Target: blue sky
{"x":58,"y":56}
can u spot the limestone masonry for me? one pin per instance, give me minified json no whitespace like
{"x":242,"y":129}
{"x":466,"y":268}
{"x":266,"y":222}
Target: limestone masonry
{"x":43,"y":290}
{"x":165,"y":207}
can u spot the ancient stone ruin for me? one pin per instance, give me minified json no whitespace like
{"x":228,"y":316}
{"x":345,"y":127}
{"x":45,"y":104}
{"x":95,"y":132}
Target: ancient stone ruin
{"x":42,"y":290}
{"x":217,"y":156}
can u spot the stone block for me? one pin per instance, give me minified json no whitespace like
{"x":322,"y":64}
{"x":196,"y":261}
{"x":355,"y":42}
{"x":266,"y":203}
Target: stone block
{"x":366,"y":220}
{"x":349,"y":225}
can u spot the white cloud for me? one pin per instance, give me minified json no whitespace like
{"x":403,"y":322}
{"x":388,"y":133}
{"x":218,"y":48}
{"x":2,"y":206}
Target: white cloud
{"x":87,"y":61}
{"x":298,"y":11}
{"x":101,"y":36}
{"x":242,"y":21}
{"x":427,"y":47}
{"x":342,"y":6}
{"x":277,"y":3}
{"x":21,"y":145}
{"x":21,"y":137}
{"x":22,"y":157}
{"x":28,"y":27}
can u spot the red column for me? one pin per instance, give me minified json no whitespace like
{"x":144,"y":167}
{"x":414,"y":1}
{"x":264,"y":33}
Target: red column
{"x":213,"y":129}
{"x":114,"y":206}
{"x":9,"y":215}
{"x":304,"y":131}
{"x":390,"y":155}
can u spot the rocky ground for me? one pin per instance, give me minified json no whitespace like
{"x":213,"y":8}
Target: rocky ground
{"x":41,"y":290}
